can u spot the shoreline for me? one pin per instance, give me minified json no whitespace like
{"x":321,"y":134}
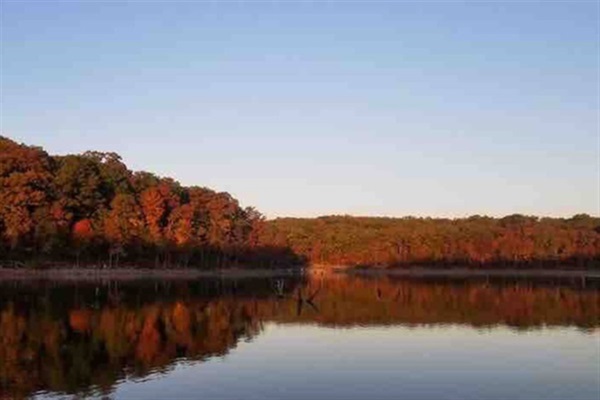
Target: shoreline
{"x":83,"y":274}
{"x":466,"y":272}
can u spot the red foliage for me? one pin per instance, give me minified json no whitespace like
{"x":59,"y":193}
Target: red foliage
{"x":82,"y":230}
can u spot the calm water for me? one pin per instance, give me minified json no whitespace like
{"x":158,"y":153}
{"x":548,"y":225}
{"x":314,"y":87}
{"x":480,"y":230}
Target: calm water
{"x":297,"y":338}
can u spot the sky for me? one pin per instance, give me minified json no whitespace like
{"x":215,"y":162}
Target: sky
{"x":434,"y":108}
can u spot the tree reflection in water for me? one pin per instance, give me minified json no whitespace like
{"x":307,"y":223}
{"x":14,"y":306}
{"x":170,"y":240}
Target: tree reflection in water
{"x":78,"y":337}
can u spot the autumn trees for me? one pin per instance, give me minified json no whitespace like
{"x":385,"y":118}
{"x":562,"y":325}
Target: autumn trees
{"x":476,"y":241}
{"x":25,"y":177}
{"x":91,"y":208}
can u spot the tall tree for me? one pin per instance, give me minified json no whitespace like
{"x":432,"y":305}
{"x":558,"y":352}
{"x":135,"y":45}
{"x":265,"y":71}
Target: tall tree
{"x":25,"y":177}
{"x":123,"y":225}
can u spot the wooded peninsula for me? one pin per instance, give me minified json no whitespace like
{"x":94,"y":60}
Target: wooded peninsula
{"x":90,"y":210}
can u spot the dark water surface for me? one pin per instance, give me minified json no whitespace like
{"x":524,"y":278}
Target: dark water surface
{"x":321,"y":337}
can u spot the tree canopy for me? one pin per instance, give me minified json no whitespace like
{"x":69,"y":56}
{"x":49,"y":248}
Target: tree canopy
{"x":91,"y":208}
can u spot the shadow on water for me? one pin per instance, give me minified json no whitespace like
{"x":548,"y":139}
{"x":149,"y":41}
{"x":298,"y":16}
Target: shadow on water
{"x":80,"y":336}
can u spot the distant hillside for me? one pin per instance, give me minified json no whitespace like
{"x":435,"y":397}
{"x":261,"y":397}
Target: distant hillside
{"x":476,"y":241}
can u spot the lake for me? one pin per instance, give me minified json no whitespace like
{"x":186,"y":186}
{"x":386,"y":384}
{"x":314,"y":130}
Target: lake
{"x":298,"y":337}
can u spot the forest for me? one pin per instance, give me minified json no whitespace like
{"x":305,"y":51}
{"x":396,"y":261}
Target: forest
{"x":477,"y":241}
{"x":91,"y":210}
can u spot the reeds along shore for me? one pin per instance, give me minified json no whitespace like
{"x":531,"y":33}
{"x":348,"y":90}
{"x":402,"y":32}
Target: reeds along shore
{"x":90,"y":210}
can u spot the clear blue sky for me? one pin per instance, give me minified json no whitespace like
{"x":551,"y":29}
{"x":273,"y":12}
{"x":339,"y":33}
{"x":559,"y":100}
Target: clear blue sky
{"x":307,"y":108}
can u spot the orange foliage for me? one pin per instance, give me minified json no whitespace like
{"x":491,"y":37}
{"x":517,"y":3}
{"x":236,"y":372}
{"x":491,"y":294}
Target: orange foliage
{"x":79,"y":320}
{"x":52,"y":206}
{"x":82,"y":230}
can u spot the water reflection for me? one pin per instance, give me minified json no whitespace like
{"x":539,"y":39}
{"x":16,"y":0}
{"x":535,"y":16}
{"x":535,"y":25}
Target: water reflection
{"x":83,"y":338}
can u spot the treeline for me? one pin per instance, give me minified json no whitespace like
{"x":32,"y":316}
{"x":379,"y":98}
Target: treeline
{"x":91,"y":209}
{"x":514,"y":240}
